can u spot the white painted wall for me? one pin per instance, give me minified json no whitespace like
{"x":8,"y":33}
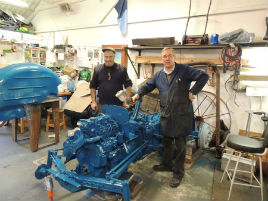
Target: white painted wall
{"x":153,"y":18}
{"x":158,"y":18}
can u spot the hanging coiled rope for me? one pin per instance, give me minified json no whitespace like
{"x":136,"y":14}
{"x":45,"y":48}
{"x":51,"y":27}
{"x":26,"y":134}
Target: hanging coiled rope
{"x":231,"y":57}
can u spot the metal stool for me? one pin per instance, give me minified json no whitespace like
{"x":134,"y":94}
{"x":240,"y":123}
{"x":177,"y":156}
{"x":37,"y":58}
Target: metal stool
{"x":51,"y":124}
{"x":244,"y":145}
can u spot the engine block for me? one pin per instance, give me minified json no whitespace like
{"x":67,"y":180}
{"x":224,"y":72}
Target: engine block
{"x":104,"y":147}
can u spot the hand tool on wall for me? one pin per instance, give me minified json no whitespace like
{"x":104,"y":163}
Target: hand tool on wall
{"x":125,"y":49}
{"x":196,"y":39}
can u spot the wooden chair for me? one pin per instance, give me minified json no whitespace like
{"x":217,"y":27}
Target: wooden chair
{"x":50,"y":117}
{"x":23,"y":122}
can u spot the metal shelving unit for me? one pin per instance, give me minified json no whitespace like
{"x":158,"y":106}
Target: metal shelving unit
{"x":35,"y":55}
{"x":140,"y":48}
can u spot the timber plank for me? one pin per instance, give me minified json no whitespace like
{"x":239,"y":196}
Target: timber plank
{"x":158,"y":60}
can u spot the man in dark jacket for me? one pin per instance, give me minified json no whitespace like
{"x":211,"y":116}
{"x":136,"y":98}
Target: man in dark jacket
{"x":108,"y":79}
{"x":177,"y":116}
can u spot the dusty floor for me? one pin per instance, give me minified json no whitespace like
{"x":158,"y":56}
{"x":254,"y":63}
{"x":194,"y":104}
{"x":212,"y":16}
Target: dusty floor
{"x":18,"y":182}
{"x":239,"y":193}
{"x":196,"y":184}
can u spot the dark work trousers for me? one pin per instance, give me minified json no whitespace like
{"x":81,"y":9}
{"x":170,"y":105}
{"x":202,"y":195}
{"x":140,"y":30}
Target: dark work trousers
{"x":168,"y":148}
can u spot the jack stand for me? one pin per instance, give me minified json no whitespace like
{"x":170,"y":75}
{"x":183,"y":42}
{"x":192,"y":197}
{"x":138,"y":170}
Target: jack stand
{"x":49,"y":187}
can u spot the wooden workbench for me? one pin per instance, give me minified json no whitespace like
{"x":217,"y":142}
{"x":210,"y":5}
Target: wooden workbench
{"x":65,"y":94}
{"x":33,"y":114}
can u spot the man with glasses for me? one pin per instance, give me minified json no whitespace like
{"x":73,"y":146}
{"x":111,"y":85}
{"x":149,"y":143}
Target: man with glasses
{"x":177,"y":116}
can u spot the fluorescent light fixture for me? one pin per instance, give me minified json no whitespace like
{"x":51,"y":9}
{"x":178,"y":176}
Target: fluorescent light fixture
{"x":19,"y":3}
{"x":19,"y":17}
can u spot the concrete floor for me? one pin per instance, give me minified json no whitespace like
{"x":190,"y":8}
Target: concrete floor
{"x":196,"y":184}
{"x":18,"y":182}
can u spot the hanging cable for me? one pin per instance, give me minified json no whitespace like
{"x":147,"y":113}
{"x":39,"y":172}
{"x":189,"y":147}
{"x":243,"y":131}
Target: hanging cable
{"x":207,"y":17}
{"x":231,"y":57}
{"x":226,"y":82}
{"x":189,"y":16}
{"x":196,"y":39}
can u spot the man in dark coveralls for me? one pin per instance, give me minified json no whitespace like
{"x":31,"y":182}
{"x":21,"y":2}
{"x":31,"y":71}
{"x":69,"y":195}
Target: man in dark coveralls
{"x":108,"y":79}
{"x":177,"y":116}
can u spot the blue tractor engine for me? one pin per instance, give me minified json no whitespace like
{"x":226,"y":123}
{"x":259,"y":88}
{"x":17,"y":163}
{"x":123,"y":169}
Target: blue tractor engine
{"x":104,"y":147}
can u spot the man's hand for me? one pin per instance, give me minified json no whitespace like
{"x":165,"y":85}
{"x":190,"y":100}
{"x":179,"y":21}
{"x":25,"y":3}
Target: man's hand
{"x":191,"y":96}
{"x":135,"y":98}
{"x":94,"y":105}
{"x":125,"y":105}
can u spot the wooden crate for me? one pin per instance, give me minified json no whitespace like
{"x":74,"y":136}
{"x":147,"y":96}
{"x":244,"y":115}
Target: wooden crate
{"x":192,"y":153}
{"x":191,"y":159}
{"x":154,"y":41}
{"x":135,"y":185}
{"x":150,"y":104}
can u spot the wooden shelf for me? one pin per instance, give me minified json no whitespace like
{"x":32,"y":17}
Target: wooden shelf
{"x":158,"y":60}
{"x":9,"y":42}
{"x":138,"y":48}
{"x":155,"y":60}
{"x":35,"y":55}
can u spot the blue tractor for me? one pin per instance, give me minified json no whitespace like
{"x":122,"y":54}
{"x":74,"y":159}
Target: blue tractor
{"x":104,"y":147}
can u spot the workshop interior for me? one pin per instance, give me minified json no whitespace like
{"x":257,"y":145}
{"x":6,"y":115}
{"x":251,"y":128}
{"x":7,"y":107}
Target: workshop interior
{"x":94,"y":95}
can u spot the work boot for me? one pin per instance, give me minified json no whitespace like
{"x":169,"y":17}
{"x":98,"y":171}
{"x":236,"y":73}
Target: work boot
{"x":161,"y":168}
{"x":266,"y":36}
{"x":175,"y":181}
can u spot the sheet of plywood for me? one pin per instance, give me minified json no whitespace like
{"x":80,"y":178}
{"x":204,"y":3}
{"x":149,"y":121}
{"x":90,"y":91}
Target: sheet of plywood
{"x":80,"y":99}
{"x":251,"y":134}
{"x":253,"y":77}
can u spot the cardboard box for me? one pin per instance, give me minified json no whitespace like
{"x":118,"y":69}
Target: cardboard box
{"x":150,"y":103}
{"x":70,"y":71}
{"x":80,"y":99}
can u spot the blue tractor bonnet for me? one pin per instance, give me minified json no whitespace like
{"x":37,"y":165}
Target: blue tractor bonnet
{"x":24,"y":83}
